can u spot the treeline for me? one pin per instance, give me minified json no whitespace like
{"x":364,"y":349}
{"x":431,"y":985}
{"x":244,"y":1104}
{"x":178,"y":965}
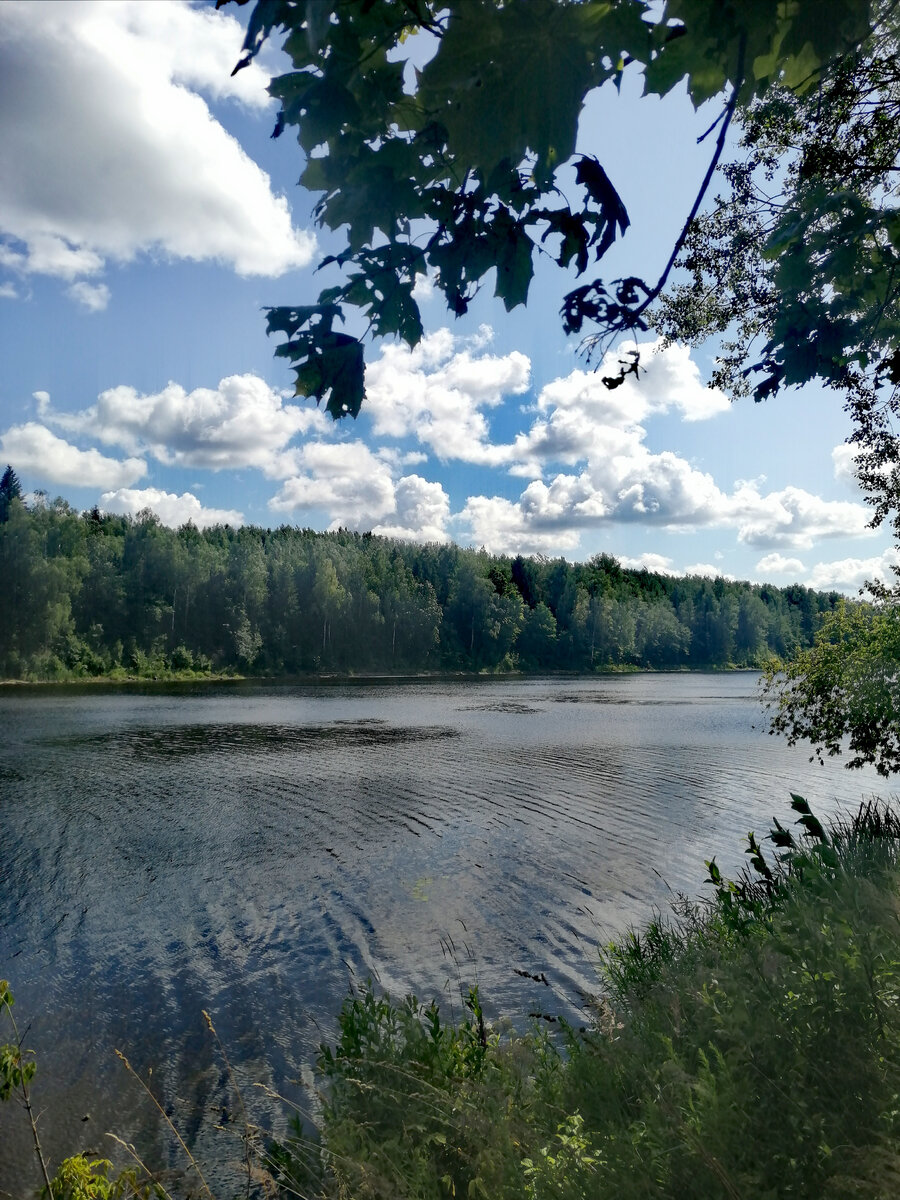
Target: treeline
{"x":86,"y":594}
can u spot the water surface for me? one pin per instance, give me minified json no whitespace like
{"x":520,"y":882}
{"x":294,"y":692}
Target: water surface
{"x":249,"y":849}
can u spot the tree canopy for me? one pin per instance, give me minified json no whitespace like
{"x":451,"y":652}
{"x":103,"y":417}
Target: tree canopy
{"x":797,"y":264}
{"x":451,"y":168}
{"x":844,"y":691}
{"x":94,"y":594}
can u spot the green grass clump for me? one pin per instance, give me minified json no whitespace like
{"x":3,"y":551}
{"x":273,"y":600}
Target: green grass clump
{"x":747,"y":1046}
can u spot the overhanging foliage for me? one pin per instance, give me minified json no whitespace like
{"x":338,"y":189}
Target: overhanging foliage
{"x":450,"y":168}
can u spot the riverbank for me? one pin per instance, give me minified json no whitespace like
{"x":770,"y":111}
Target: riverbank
{"x":313,"y":678}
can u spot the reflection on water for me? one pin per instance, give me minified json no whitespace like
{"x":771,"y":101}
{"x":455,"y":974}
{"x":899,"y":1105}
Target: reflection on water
{"x":250,"y":849}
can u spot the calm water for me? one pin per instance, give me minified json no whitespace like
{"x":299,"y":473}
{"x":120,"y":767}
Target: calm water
{"x":250,"y":849}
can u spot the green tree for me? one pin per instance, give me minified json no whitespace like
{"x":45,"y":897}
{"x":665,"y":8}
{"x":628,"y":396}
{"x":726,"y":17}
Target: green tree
{"x":844,"y":691}
{"x":10,"y":489}
{"x":536,"y":642}
{"x":752,"y":628}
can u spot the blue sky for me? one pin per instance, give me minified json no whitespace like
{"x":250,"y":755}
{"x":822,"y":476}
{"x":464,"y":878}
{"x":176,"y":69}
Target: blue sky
{"x":146,"y":217}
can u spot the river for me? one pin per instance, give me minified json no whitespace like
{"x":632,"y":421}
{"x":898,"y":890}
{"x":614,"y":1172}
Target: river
{"x":252,"y":848}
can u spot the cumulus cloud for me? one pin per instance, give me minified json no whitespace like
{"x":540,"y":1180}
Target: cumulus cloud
{"x":793,"y":517}
{"x":343,"y":479}
{"x":661,"y":564}
{"x":501,"y":526}
{"x":438,"y":390}
{"x":116,"y":151}
{"x":667,"y":379}
{"x":777,"y":564}
{"x":241,"y":423}
{"x":706,"y":571}
{"x":842,"y":457}
{"x":851,"y":574}
{"x":421,"y":511}
{"x":355,"y":489}
{"x":38,"y":451}
{"x":171,"y":509}
{"x":399,"y":458}
{"x":8,"y":291}
{"x":441,"y":393}
{"x":662,"y":490}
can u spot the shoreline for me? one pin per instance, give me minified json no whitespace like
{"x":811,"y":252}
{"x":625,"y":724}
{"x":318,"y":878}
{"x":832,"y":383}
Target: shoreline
{"x":366,"y":677}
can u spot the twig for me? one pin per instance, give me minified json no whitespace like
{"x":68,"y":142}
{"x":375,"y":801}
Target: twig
{"x":28,"y":1106}
{"x":168,"y":1120}
{"x":726,"y":117}
{"x":140,"y":1162}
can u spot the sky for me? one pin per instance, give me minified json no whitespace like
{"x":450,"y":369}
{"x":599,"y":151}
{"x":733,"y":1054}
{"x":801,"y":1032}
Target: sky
{"x":147,"y":218}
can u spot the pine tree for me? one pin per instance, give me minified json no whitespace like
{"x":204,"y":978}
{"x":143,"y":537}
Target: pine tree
{"x":10,"y":489}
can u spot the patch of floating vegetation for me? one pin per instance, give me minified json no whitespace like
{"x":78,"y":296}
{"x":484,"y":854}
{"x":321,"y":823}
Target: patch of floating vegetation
{"x":255,"y":739}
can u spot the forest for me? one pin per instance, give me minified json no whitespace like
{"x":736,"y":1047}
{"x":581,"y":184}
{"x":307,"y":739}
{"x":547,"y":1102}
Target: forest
{"x":92,"y":594}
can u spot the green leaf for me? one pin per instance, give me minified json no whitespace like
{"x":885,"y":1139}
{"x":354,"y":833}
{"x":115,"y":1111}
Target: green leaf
{"x":514,"y":260}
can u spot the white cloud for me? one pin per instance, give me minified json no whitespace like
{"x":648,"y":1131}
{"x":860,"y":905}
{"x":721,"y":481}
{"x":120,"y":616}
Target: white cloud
{"x":92,"y":296}
{"x":421,"y":511}
{"x":423,"y":288}
{"x":661,"y":490}
{"x":706,"y":570}
{"x":354,"y":489}
{"x":777,"y":564}
{"x":850,"y":574}
{"x":241,"y":423}
{"x":33,"y":448}
{"x":502,"y":528}
{"x":793,"y":517}
{"x":399,"y":458}
{"x":842,"y":457}
{"x":8,"y":291}
{"x":437,"y":391}
{"x":660,"y":563}
{"x":116,"y":151}
{"x":668,"y":379}
{"x":171,"y":509}
{"x":344,"y":480}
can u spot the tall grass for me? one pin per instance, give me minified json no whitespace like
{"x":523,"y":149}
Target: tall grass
{"x":747,"y":1046}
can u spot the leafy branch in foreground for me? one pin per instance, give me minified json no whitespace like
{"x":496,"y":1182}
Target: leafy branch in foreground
{"x":455,"y":155}
{"x":797,"y":264}
{"x":844,"y":691}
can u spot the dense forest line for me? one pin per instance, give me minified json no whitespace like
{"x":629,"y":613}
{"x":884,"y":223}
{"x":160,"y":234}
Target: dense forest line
{"x":88,"y":594}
